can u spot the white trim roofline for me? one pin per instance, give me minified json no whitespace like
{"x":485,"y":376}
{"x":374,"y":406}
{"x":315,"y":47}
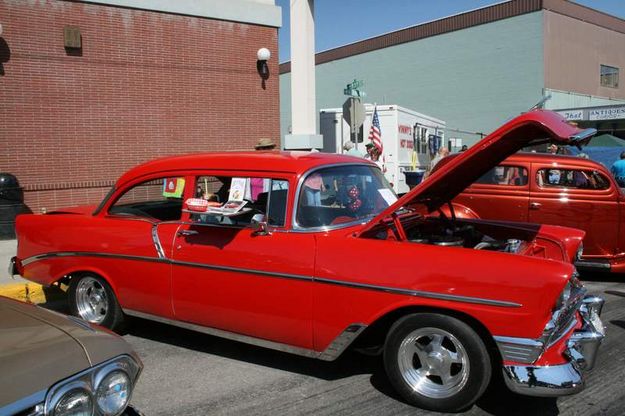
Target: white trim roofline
{"x":259,"y":12}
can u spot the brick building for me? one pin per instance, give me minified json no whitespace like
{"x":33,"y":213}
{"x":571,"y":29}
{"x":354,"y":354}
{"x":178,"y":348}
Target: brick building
{"x":150,"y":79}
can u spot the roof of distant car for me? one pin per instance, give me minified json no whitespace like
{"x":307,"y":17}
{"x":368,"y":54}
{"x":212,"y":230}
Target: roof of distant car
{"x":542,"y":157}
{"x":258,"y":161}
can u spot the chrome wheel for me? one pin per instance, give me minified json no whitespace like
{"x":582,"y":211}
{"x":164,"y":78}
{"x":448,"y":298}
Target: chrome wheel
{"x":433,"y":363}
{"x":92,"y":302}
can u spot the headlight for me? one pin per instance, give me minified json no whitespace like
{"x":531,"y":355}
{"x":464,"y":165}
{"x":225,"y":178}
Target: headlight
{"x":564,"y":296}
{"x":76,"y":402}
{"x":103,"y":390}
{"x":113,"y":393}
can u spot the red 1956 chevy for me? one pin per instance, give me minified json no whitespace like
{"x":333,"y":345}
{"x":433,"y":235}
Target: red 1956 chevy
{"x":310,"y":253}
{"x":558,"y":190}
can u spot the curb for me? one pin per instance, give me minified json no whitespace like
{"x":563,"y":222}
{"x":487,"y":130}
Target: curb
{"x":32,"y":292}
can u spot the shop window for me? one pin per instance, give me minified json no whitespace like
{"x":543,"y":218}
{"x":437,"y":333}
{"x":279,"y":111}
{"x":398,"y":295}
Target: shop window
{"x":572,"y":178}
{"x":157,"y":199}
{"x":505,"y":175}
{"x":609,"y":76}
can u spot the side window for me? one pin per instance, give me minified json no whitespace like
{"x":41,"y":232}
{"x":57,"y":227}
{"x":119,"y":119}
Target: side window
{"x":236,"y":200}
{"x":571,"y":178}
{"x":157,"y":199}
{"x":505,"y":175}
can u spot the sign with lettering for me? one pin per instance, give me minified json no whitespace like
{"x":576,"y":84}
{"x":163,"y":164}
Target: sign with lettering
{"x":572,"y":114}
{"x":609,"y":113}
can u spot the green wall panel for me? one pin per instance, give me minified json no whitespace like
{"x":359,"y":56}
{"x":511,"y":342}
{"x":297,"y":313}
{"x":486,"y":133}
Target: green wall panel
{"x":474,"y":79}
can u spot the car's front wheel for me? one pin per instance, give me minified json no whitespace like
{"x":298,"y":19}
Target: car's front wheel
{"x":436,"y":362}
{"x":92,"y":299}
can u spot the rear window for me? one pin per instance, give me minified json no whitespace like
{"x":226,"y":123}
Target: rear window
{"x":571,"y":178}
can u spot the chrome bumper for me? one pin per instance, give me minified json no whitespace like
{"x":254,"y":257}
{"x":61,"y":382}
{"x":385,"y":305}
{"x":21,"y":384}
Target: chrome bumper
{"x":13,"y":267}
{"x":565,"y":379}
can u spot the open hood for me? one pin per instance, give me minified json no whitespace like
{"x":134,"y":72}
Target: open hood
{"x":531,"y":128}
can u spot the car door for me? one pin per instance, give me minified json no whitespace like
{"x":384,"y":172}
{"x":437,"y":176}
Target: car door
{"x":135,"y":232}
{"x":230,"y":276}
{"x":579,"y":197}
{"x":500,"y":194}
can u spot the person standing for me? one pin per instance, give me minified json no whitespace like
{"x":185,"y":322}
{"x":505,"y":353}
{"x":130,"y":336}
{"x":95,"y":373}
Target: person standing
{"x":442,"y":153}
{"x":618,"y":170}
{"x":350,"y":149}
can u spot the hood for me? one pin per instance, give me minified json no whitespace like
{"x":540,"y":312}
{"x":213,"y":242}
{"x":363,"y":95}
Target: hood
{"x":532,"y":128}
{"x":38,"y":348}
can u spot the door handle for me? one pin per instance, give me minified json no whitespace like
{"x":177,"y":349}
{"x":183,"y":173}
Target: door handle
{"x":185,"y":233}
{"x":535,"y":205}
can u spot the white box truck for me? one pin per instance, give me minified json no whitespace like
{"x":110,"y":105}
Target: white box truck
{"x":403,"y":132}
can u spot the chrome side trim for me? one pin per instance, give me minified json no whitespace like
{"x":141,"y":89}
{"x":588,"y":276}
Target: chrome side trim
{"x":520,"y":350}
{"x":354,"y":285}
{"x":45,"y":256}
{"x":332,"y":352}
{"x":421,"y":294}
{"x":340,"y":343}
{"x":157,"y":242}
{"x":240,"y":270}
{"x":26,"y":403}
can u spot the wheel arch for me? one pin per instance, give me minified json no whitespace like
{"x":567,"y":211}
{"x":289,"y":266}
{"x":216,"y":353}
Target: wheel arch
{"x":67,"y":276}
{"x":375,"y":334}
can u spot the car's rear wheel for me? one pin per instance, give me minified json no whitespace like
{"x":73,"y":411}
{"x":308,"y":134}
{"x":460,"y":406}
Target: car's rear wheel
{"x":92,"y":299}
{"x":436,"y":362}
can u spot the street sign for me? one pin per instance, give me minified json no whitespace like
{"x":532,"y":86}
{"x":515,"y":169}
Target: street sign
{"x":353,"y":89}
{"x":354,"y":113}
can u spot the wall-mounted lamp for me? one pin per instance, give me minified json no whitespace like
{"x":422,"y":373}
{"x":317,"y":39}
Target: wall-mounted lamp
{"x":0,"y":30}
{"x":263,"y":56}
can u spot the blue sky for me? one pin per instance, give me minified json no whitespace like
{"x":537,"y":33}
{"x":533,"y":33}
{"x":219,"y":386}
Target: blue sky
{"x":338,"y":22}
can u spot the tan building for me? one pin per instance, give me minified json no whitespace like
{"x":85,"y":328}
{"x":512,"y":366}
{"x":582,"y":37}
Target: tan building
{"x":475,"y":70}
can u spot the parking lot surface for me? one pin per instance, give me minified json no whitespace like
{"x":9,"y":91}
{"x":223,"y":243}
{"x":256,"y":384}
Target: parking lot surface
{"x":188,"y":373}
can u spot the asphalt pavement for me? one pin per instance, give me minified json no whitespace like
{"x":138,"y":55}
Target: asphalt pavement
{"x":188,"y":373}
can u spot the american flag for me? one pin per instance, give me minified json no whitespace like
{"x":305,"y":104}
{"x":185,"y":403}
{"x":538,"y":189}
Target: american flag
{"x":375,"y":134}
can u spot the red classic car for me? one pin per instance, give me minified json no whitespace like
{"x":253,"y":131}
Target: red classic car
{"x":558,"y":190}
{"x":310,"y":253}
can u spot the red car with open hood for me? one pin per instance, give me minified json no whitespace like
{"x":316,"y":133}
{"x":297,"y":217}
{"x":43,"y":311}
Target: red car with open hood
{"x":558,"y":190}
{"x":310,"y":253}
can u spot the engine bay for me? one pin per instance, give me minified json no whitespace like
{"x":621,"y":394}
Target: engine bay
{"x":458,"y":233}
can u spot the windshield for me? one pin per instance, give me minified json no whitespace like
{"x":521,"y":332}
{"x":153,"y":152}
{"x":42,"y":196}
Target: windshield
{"x":341,"y":195}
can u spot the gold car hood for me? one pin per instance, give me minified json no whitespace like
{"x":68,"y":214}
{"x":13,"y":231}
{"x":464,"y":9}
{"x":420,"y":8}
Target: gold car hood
{"x":39,"y":348}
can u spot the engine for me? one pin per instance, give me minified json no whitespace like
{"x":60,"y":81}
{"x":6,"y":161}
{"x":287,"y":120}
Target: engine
{"x":457,"y":234}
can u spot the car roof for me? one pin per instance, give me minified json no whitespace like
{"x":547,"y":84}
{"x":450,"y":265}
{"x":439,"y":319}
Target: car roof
{"x":530,"y":157}
{"x":259,"y":161}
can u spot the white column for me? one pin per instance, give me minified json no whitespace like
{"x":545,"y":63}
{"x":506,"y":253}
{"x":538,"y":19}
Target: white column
{"x":303,"y":104}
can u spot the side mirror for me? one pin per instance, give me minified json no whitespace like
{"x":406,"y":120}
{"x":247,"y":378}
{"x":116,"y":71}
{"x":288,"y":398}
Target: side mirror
{"x":259,"y":225}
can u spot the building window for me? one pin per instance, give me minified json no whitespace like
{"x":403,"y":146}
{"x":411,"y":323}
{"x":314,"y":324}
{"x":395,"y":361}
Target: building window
{"x":609,"y":76}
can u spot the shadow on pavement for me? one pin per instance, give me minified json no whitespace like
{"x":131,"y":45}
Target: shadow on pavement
{"x":500,"y":401}
{"x":349,"y":364}
{"x":595,"y":276}
{"x":496,"y":400}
